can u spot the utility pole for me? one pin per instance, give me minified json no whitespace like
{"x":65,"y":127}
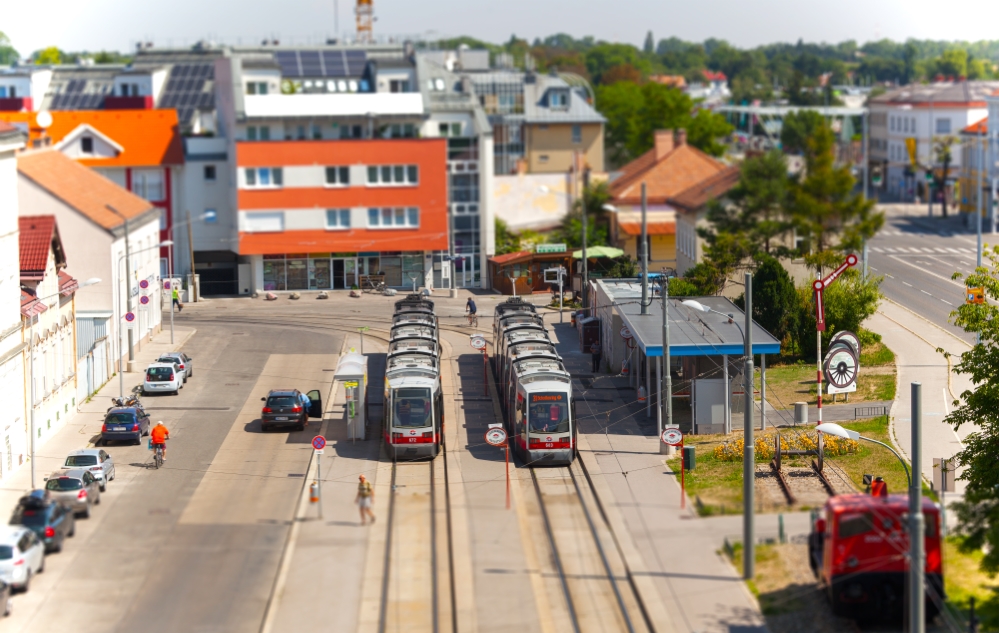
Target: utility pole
{"x":666,"y":400}
{"x":929,"y":157}
{"x":917,"y":592}
{"x":867,"y":171}
{"x":645,"y":256}
{"x":584,"y":281}
{"x":195,"y":286}
{"x":749,"y":457}
{"x":981,"y":170}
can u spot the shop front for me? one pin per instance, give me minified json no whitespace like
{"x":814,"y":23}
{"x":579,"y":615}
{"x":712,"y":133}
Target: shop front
{"x":340,"y":271}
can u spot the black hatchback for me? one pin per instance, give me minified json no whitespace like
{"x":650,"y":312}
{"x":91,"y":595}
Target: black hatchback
{"x":290,"y":407}
{"x":49,"y":519}
{"x":125,"y":424}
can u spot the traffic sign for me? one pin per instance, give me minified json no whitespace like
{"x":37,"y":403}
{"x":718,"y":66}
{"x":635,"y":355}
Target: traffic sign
{"x":319,"y":442}
{"x":129,"y":316}
{"x":496,"y":436}
{"x":625,"y":333}
{"x":143,"y":284}
{"x":477,"y":341}
{"x":143,"y":299}
{"x":975,"y":296}
{"x":166,"y":284}
{"x":672,"y":436}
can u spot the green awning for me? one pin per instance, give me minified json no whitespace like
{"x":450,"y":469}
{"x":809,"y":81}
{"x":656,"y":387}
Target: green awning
{"x":594,"y":252}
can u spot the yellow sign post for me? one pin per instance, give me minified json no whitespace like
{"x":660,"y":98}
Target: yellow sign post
{"x":975,"y":296}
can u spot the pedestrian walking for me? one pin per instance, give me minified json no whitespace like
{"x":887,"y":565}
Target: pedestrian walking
{"x":176,"y":300}
{"x":365,"y":498}
{"x":595,"y":352}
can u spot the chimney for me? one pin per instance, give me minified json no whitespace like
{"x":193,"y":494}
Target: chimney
{"x":681,"y":137}
{"x":664,"y":143}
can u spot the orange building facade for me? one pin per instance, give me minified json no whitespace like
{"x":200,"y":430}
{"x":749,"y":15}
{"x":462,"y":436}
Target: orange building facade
{"x":317,"y":215}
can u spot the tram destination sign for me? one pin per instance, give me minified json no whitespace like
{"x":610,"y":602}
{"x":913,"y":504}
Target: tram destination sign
{"x":672,"y":436}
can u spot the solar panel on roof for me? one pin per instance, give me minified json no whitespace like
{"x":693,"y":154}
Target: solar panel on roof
{"x":288,"y":61}
{"x":311,"y":64}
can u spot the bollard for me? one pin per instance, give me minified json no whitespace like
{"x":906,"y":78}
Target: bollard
{"x":800,"y":413}
{"x":781,"y":534}
{"x":689,"y":460}
{"x":314,"y":492}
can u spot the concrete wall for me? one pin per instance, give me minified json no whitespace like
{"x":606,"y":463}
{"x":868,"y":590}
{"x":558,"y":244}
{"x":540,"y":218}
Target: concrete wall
{"x":555,"y":141}
{"x":530,"y":201}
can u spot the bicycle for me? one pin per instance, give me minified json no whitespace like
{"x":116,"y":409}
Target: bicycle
{"x":473,"y":319}
{"x":158,"y":455}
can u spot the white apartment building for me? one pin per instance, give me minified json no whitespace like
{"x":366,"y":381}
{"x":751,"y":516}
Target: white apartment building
{"x":922,"y":114}
{"x":13,"y":430}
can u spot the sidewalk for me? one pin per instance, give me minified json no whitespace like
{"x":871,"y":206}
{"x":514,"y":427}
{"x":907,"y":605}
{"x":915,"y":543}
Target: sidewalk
{"x":915,"y":341}
{"x":83,"y":428}
{"x":679,"y":550}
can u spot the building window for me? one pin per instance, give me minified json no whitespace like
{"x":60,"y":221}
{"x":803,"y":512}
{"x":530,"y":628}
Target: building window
{"x":943,"y":126}
{"x":210,"y":216}
{"x":87,"y":145}
{"x":464,"y":187}
{"x":264,"y":177}
{"x":351,"y":131}
{"x":577,"y":134}
{"x":394,"y":218}
{"x":338,"y":176}
{"x":210,"y":173}
{"x":398,"y":85}
{"x":269,"y":222}
{"x":251,"y":133}
{"x":399,"y":130}
{"x":256,"y":88}
{"x":317,"y":132}
{"x":387,"y":175}
{"x":543,"y":159}
{"x":559,"y":99}
{"x":337,"y":219}
{"x":148,"y":184}
{"x":263,"y":133}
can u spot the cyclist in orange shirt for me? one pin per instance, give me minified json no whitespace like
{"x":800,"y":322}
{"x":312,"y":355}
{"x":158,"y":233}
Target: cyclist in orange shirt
{"x":159,"y":435}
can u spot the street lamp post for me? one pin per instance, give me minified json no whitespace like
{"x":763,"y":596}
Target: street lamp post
{"x":128,"y":277}
{"x":31,"y":369}
{"x":831,"y":428}
{"x":749,"y":448}
{"x":645,"y":255}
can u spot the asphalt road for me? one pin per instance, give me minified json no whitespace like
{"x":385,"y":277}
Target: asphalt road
{"x":196,"y":545}
{"x":917,"y":256}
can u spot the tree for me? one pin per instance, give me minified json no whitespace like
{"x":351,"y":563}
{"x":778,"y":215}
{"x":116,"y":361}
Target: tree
{"x":798,"y":127}
{"x":978,"y":514}
{"x":50,"y":55}
{"x":650,"y":44}
{"x":847,"y":304}
{"x":775,"y":300}
{"x":705,"y":129}
{"x":506,"y":241}
{"x":826,"y":209}
{"x":942,"y":149}
{"x":597,"y":229}
{"x":953,"y":63}
{"x":8,"y":55}
{"x":760,"y":197}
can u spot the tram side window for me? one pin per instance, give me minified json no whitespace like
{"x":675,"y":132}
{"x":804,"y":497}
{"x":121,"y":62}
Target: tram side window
{"x":411,"y":407}
{"x":854,"y":524}
{"x":549,"y":413}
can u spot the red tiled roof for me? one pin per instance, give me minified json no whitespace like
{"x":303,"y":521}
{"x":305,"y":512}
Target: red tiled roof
{"x":979,"y":128}
{"x":714,"y":76}
{"x":81,"y":188}
{"x":148,"y":137}
{"x":508,"y":257}
{"x":35,"y":241}
{"x":679,"y":169}
{"x":6,"y":127}
{"x":67,"y":283}
{"x":697,"y":196}
{"x":30,"y":305}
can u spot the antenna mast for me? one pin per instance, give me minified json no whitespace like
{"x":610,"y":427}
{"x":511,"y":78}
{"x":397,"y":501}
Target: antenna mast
{"x":365,"y":12}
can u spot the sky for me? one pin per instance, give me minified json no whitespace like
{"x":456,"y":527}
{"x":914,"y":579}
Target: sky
{"x":75,"y":25}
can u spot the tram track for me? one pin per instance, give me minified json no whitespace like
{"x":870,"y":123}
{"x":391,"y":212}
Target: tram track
{"x":594,"y":578}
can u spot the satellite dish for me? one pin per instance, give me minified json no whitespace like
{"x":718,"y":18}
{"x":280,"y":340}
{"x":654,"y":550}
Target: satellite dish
{"x":43,"y":119}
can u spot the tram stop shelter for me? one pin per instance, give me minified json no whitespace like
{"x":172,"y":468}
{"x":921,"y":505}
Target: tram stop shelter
{"x":706,"y":353}
{"x":352,"y":373}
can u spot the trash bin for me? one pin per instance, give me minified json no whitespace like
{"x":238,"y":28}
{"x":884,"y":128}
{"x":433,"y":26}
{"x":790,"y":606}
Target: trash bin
{"x":689,"y":461}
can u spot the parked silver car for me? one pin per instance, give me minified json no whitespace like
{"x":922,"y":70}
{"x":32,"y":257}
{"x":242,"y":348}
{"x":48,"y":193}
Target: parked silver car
{"x":185,"y":363}
{"x":22,"y":555}
{"x":96,"y":460}
{"x":77,"y":489}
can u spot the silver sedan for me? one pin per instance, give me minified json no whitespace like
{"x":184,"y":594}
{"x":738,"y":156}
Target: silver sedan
{"x":76,"y":489}
{"x":96,"y":460}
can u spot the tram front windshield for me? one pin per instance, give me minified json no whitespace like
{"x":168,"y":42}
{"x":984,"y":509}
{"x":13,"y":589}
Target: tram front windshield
{"x":411,"y":407}
{"x":548,"y":413}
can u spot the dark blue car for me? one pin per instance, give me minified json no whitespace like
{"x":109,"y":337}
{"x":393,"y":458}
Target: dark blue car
{"x":125,"y":424}
{"x":52,"y":521}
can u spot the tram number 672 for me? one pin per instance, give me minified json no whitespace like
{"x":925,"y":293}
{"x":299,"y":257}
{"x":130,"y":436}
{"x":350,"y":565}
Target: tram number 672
{"x":412,"y":440}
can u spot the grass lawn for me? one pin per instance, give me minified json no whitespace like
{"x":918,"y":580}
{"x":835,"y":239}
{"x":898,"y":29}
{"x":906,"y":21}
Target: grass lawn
{"x":963,"y":579}
{"x":718,"y":483}
{"x":793,"y":382}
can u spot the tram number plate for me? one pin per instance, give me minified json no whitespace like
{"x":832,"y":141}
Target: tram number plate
{"x":549,"y":445}
{"x":412,"y":440}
